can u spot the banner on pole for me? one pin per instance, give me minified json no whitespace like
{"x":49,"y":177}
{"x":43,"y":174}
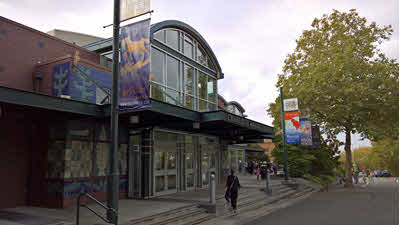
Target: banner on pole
{"x":316,"y":136}
{"x":290,"y":104}
{"x":305,"y":132}
{"x":134,"y":92}
{"x":304,"y":113}
{"x":292,"y":127}
{"x":132,"y":8}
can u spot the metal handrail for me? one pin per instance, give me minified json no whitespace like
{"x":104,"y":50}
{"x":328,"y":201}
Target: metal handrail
{"x":78,"y":205}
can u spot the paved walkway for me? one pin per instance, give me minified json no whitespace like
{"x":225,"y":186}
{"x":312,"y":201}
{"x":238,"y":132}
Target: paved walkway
{"x":377,"y":204}
{"x":128,"y":209}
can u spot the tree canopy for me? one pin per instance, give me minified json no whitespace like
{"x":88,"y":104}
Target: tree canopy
{"x":338,"y":71}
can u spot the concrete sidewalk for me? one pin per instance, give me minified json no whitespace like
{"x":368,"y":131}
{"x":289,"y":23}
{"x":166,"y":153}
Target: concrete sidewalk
{"x":128,"y":209}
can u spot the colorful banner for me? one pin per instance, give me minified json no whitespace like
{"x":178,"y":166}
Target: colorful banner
{"x":305,"y":132}
{"x":292,"y":127}
{"x":316,"y":136}
{"x":131,"y":8}
{"x":134,"y":92}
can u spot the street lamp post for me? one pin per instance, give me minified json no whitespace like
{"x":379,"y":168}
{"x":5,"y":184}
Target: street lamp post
{"x":113,"y":173}
{"x":284,"y":138}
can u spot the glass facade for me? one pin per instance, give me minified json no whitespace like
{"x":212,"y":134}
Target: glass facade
{"x":179,"y":81}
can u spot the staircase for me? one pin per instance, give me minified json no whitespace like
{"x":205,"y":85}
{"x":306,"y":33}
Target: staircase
{"x":252,"y":203}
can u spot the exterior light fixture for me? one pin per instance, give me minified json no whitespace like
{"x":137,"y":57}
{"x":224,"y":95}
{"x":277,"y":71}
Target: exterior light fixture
{"x":134,"y":119}
{"x":37,"y":76}
{"x":196,"y":125}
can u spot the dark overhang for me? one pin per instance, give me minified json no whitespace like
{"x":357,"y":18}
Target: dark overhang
{"x":219,"y":123}
{"x":26,"y":98}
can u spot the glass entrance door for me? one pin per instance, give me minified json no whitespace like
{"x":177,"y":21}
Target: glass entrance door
{"x":165,"y":172}
{"x":134,"y":165}
{"x":208,"y":165}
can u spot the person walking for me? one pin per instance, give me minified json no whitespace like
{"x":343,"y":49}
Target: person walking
{"x":258,"y":173}
{"x":355,"y":174}
{"x":275,"y":168}
{"x":371,"y":177}
{"x":232,"y":190}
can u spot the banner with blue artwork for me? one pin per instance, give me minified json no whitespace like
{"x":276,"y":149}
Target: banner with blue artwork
{"x":134,"y":89}
{"x":76,"y":85}
{"x":292,"y":127}
{"x":305,"y":132}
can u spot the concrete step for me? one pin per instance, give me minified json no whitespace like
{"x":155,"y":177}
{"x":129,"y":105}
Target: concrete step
{"x":192,"y":219}
{"x":168,"y":215}
{"x":248,"y":214}
{"x":281,"y":197}
{"x":249,"y":200}
{"x":249,"y":217}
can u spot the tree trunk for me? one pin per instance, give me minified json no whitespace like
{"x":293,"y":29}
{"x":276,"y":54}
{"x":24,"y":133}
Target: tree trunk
{"x":349,"y":178}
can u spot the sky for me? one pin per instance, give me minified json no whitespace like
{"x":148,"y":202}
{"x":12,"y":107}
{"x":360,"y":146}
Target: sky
{"x":250,"y":38}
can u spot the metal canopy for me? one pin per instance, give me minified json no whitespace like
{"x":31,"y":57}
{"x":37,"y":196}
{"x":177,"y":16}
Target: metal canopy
{"x":225,"y":125}
{"x":25,"y":98}
{"x":228,"y":126}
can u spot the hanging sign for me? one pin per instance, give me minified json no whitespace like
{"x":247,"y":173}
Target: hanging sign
{"x":132,"y":8}
{"x":304,"y":113}
{"x":290,"y":104}
{"x":316,"y":136}
{"x":134,"y":92}
{"x":305,"y":132}
{"x":292,"y":126}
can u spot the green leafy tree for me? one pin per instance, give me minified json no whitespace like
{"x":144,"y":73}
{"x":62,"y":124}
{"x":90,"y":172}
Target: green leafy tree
{"x":339,"y":73}
{"x":304,"y":160}
{"x":385,"y":155}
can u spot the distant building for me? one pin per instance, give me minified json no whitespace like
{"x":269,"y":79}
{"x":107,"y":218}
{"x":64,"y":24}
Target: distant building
{"x":74,"y":37}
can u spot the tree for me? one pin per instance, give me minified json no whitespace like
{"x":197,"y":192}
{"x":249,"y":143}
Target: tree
{"x":385,"y":155}
{"x":332,"y":71}
{"x":305,"y":160}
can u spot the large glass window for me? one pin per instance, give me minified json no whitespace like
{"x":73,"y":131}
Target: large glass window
{"x":202,"y":85}
{"x":160,"y":35}
{"x":159,"y":160}
{"x":172,"y":39}
{"x":172,"y":73}
{"x":189,"y":80}
{"x":157,"y":92}
{"x":173,"y":97}
{"x":212,"y":89}
{"x":201,"y":56}
{"x":179,"y":82}
{"x":157,"y":66}
{"x":188,"y":49}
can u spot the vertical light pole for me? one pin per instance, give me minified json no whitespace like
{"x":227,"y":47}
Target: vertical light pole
{"x":284,"y":138}
{"x":113,"y":173}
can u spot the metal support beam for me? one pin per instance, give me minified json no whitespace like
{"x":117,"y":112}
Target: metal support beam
{"x":113,"y":175}
{"x":284,"y":138}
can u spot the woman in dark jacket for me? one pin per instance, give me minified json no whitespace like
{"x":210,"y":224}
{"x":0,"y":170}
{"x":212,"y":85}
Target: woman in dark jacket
{"x":232,"y":189}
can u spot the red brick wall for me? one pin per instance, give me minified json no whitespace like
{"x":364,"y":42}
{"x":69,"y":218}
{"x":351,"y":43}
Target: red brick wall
{"x":21,"y":48}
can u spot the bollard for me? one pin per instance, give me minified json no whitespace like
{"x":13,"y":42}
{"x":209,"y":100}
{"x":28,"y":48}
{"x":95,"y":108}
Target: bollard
{"x":267,"y":181}
{"x":212,"y":188}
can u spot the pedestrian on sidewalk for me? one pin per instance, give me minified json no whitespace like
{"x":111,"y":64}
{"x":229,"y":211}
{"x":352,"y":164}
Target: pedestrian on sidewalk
{"x":371,"y":177}
{"x":231,"y":190}
{"x":258,"y":173}
{"x":275,"y":168}
{"x":355,"y":176}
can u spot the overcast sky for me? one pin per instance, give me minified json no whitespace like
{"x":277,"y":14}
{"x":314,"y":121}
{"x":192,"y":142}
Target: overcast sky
{"x":250,"y":38}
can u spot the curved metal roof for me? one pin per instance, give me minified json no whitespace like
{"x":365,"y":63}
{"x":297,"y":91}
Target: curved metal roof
{"x":187,"y":28}
{"x":237,"y":104}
